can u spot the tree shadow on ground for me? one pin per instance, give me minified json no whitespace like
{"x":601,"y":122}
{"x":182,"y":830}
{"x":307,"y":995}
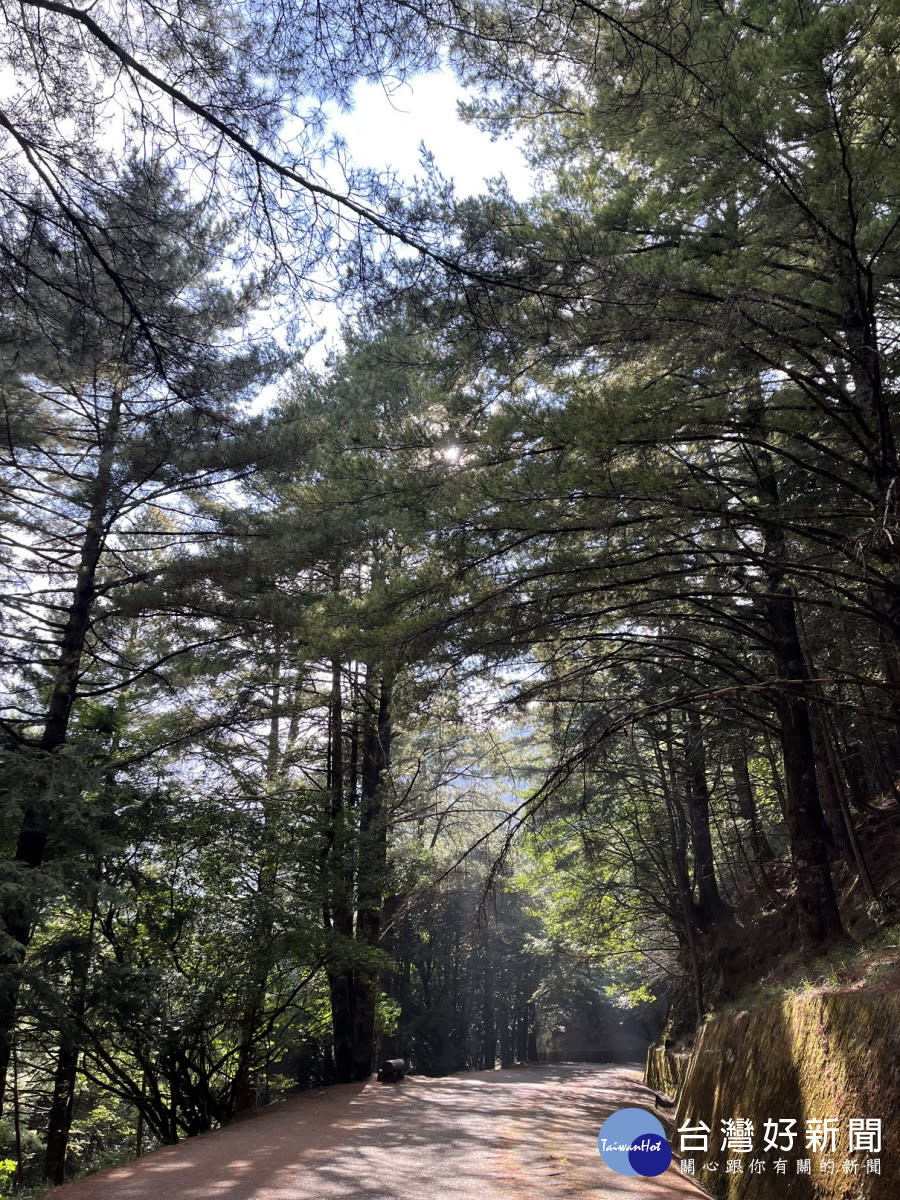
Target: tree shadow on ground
{"x":495,"y":1134}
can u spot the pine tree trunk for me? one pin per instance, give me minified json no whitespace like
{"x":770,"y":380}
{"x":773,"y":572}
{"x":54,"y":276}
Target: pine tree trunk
{"x":16,"y":915}
{"x":488,"y":1025}
{"x":343,"y":1024}
{"x":818,"y":913}
{"x":243,"y":1087}
{"x":676,"y":838}
{"x":356,"y":872}
{"x":743,"y":787}
{"x":506,"y":1041}
{"x":59,"y":1120}
{"x":710,"y":905}
{"x":372,"y":859}
{"x":337,"y":887}
{"x":820,"y":920}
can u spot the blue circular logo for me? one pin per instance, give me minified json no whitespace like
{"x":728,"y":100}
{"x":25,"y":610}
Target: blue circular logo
{"x":633,"y":1142}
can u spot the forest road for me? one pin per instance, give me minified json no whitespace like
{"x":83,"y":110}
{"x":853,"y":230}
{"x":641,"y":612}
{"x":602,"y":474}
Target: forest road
{"x":520,"y":1134}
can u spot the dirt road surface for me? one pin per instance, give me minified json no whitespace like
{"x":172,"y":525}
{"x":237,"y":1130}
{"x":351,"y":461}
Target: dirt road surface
{"x":521,"y":1134}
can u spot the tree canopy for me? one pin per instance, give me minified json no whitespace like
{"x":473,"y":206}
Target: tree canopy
{"x":536,"y":652}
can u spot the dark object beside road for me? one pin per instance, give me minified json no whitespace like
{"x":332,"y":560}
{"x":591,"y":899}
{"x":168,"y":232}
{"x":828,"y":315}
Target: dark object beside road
{"x":392,"y":1070}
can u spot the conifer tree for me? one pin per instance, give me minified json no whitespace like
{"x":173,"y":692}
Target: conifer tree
{"x":701,"y":430}
{"x":115,"y":448}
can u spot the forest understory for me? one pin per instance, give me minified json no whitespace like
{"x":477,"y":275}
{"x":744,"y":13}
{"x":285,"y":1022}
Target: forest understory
{"x":756,"y":957}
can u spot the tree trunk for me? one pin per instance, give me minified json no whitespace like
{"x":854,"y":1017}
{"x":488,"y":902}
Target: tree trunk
{"x":710,"y":905}
{"x":17,"y":914}
{"x":337,"y":887}
{"x":676,"y":838}
{"x":243,"y":1086}
{"x":488,"y":1025}
{"x":743,"y":788}
{"x":355,"y":869}
{"x":506,"y":1042}
{"x":343,"y":1023}
{"x":819,"y":918}
{"x":59,"y":1120}
{"x":372,"y":857}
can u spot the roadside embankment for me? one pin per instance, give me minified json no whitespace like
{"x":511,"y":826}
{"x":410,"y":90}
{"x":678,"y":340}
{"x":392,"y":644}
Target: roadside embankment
{"x":827,"y":1061}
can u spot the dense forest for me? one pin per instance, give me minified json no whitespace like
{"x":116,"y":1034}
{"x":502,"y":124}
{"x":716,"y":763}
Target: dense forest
{"x":534,"y":653}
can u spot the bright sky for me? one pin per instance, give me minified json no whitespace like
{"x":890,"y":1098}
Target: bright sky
{"x":386,"y":130}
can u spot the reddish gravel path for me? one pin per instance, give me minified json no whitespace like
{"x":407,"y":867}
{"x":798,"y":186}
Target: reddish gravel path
{"x":522,"y":1134}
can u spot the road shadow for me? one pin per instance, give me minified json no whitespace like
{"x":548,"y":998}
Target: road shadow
{"x":488,"y":1135}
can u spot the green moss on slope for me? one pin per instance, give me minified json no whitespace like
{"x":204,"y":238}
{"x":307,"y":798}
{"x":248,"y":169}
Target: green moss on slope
{"x":825,"y":1056}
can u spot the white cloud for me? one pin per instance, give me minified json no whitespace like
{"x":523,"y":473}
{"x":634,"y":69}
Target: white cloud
{"x":386,"y":128}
